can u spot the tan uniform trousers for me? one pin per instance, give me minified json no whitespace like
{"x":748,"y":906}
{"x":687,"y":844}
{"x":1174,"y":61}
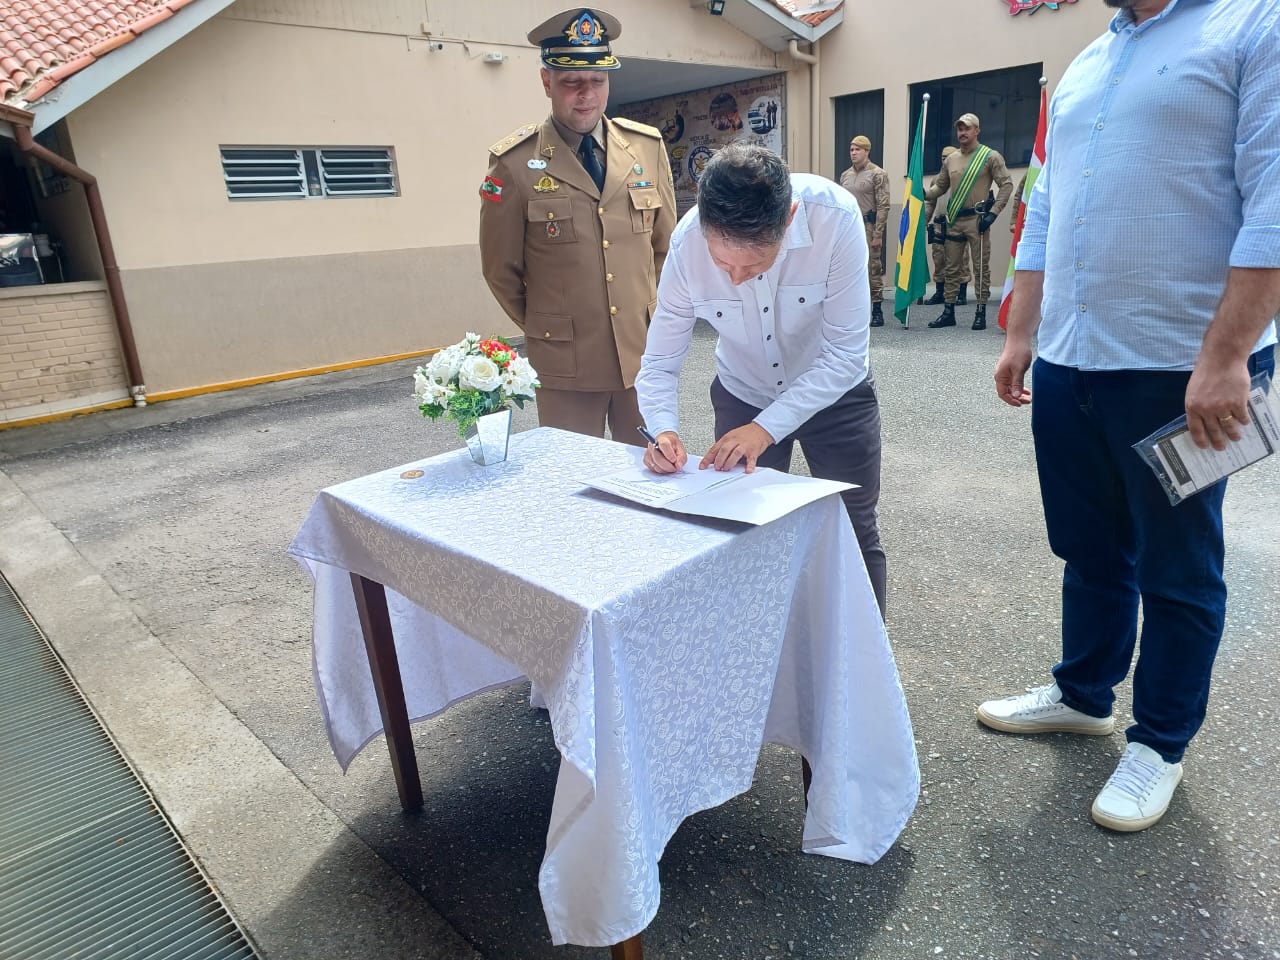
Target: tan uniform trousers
{"x":963,"y":238}
{"x":940,"y":264}
{"x":875,"y":265}
{"x":585,"y":411}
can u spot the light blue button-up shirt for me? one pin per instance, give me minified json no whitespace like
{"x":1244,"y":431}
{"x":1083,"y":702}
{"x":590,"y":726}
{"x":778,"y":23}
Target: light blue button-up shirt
{"x":792,"y":341}
{"x":1162,"y":173}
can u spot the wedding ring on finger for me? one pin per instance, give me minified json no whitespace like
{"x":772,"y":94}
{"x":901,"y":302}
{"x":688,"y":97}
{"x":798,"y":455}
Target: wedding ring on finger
{"x":1227,"y":419}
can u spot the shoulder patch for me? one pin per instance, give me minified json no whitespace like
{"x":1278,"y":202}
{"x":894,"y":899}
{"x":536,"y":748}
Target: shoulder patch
{"x":636,"y":127}
{"x":516,"y":136}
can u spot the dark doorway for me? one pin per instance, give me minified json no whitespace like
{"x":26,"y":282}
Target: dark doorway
{"x":859,"y":114}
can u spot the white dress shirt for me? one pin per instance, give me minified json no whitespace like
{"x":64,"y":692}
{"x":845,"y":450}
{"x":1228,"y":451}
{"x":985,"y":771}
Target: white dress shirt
{"x":792,"y":340}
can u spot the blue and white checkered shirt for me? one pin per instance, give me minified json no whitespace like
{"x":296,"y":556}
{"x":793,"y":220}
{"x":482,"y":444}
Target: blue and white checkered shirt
{"x":1162,"y":172}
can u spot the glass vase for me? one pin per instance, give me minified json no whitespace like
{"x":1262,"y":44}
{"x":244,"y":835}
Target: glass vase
{"x":488,"y":437}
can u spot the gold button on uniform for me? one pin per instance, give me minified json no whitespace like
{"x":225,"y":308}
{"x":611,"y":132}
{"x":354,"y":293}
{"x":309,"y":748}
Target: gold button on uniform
{"x":550,"y":215}
{"x":648,"y":201}
{"x":609,"y":277}
{"x":547,"y":335}
{"x":602,"y":211}
{"x":613,"y":311}
{"x":606,"y":244}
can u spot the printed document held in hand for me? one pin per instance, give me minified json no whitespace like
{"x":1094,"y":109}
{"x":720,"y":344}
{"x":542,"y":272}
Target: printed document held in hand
{"x":1184,"y":469}
{"x":756,"y":498}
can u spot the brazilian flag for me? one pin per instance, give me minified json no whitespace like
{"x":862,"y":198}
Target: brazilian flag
{"x":912,"y":274}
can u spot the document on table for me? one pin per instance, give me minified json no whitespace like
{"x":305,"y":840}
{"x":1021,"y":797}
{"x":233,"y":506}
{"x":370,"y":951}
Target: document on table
{"x":1184,"y":469}
{"x":756,"y":498}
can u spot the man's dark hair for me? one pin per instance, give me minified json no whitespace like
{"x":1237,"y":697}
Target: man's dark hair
{"x":745,"y":195}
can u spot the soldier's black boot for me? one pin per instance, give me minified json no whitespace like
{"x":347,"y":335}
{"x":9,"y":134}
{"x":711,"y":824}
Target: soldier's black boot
{"x":948,"y":318}
{"x":980,"y":317}
{"x":939,"y":295}
{"x":877,"y":318}
{"x":963,"y":298}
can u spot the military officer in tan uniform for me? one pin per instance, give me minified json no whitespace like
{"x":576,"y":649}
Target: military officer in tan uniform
{"x":940,"y":255}
{"x":869,"y":185}
{"x":575,"y":216}
{"x":969,"y":175}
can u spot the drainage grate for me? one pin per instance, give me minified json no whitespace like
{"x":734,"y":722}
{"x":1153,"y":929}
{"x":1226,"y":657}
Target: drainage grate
{"x":89,"y":866}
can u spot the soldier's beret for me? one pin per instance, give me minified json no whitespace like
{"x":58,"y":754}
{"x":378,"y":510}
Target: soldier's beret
{"x":578,"y":39}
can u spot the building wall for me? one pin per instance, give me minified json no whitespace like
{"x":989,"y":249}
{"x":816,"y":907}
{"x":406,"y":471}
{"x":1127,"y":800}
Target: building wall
{"x":893,"y":45}
{"x":58,"y":349}
{"x":221,"y":290}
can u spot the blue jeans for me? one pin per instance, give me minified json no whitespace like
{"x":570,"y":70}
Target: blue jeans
{"x":1109,"y":520}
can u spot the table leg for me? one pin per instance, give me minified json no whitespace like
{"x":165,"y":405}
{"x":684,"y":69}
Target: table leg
{"x":630,"y":949}
{"x":806,"y":776}
{"x":379,"y":644}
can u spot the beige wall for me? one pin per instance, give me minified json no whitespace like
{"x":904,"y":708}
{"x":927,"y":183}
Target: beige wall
{"x":255,"y":318}
{"x":893,"y":45}
{"x":58,"y":350}
{"x":224,"y":291}
{"x":359,"y":74}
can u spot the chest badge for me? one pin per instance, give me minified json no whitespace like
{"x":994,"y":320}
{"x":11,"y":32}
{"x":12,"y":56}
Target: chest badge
{"x":546,"y":185}
{"x":549,"y":150}
{"x":553,"y":230}
{"x":537,"y":163}
{"x":638,"y":169}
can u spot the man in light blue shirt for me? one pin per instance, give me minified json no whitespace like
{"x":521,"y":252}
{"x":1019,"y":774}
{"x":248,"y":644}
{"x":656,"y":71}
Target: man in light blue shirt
{"x":776,"y":262}
{"x":1163,"y":151}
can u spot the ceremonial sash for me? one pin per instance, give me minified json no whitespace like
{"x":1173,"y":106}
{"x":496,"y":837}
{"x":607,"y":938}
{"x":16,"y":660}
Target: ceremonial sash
{"x":960,"y":192}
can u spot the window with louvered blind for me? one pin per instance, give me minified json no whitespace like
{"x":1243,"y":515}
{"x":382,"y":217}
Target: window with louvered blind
{"x":308,"y":173}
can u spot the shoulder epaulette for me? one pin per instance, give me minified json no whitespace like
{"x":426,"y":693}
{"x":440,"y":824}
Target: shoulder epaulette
{"x":636,"y":127}
{"x":511,"y":139}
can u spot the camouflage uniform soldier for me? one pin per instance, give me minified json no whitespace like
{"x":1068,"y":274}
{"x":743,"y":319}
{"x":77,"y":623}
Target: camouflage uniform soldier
{"x":969,"y":174}
{"x":869,"y":185}
{"x":940,"y":254}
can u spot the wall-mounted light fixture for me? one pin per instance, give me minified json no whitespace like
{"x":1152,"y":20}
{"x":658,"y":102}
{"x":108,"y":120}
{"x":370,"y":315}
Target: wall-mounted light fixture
{"x":494,"y":56}
{"x":715,"y":7}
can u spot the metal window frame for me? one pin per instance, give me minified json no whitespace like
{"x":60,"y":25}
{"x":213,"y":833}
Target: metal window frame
{"x":232,"y":157}
{"x":328,"y":176}
{"x":332,"y":180}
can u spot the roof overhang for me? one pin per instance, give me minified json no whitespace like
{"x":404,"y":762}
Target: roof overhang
{"x":81,"y":87}
{"x":775,"y":28}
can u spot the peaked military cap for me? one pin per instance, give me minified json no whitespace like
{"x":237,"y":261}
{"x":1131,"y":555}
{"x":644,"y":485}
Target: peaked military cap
{"x":578,"y":39}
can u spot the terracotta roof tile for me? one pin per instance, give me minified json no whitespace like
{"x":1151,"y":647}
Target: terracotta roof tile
{"x":42,"y":42}
{"x":812,"y":12}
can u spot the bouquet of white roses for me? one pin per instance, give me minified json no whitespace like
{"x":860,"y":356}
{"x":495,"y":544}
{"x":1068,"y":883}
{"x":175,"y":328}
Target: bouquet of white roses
{"x":472,"y":378}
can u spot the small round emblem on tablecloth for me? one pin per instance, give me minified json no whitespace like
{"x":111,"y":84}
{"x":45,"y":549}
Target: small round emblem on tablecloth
{"x":411,"y":475}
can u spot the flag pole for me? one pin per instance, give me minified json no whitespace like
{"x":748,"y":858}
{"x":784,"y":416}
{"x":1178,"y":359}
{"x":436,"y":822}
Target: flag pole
{"x":906,"y":324}
{"x":1020,"y":211}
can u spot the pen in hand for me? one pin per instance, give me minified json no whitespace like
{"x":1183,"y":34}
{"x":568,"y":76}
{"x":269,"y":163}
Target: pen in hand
{"x":644,"y":432}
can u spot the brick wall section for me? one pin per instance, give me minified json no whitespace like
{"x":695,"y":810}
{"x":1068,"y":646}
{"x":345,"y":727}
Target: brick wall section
{"x":57,"y":342}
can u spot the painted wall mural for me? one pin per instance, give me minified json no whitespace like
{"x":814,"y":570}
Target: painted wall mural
{"x":697,"y":123}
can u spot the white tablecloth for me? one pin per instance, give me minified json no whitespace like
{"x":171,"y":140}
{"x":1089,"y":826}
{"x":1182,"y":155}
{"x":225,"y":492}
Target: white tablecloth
{"x":668,"y":651}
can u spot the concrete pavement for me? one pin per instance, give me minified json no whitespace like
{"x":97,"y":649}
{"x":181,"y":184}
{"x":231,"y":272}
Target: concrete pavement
{"x":149,"y":546}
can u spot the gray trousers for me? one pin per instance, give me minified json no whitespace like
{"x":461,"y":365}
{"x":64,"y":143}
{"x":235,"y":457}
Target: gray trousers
{"x":841,"y":442}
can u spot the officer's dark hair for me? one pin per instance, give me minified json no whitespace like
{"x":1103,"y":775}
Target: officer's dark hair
{"x":744,"y":195}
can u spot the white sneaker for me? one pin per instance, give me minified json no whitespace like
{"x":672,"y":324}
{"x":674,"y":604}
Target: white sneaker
{"x":1041,"y":710}
{"x":1138,"y":793}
